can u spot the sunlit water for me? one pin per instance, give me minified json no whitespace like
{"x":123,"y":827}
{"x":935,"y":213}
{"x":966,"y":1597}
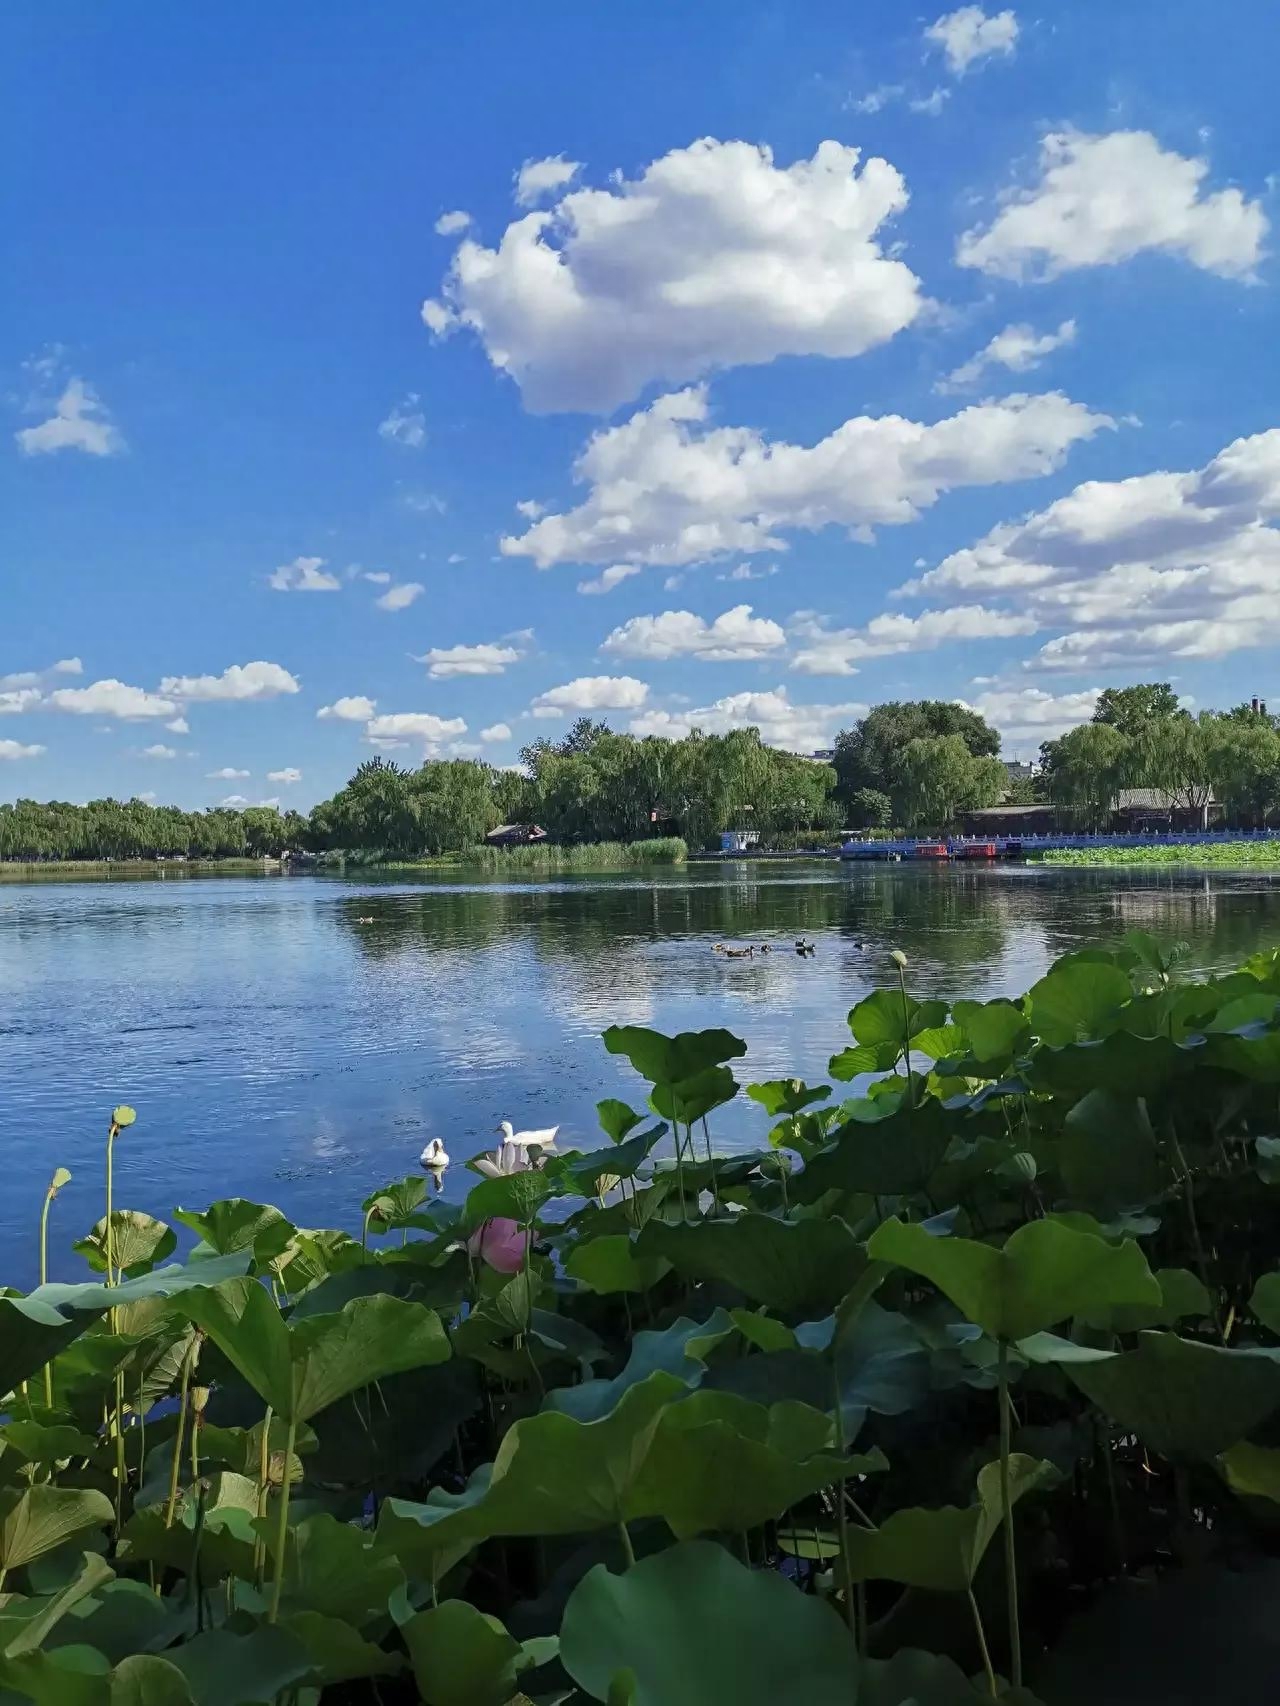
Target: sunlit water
{"x":277,"y":1047}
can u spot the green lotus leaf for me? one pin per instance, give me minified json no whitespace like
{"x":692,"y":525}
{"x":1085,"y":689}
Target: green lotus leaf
{"x":671,"y":1060}
{"x":915,"y":1678}
{"x":1184,"y":1398}
{"x":334,"y":1569}
{"x":225,"y":1669}
{"x":25,"y":1623}
{"x":68,"y":1676}
{"x":862,"y":1058}
{"x":688,"y":1100}
{"x":44,"y":1517}
{"x":46,"y":1442}
{"x":892,"y":1155}
{"x":1182,"y":1294}
{"x":1044,"y":1274}
{"x":235,"y":1223}
{"x":1265,"y":1302}
{"x":720,"y":1462}
{"x":1078,"y":999}
{"x":302,"y":1369}
{"x":462,"y":1657}
{"x":395,"y":1205}
{"x":227,"y":1537}
{"x":1253,"y":1471}
{"x":138,"y":1242}
{"x":693,"y":1627}
{"x":1108,"y":1156}
{"x":584,"y":1172}
{"x":994,"y":1030}
{"x":337,"y":1652}
{"x":787,"y":1095}
{"x":885,"y":1017}
{"x":611,"y":1264}
{"x":789,"y":1265}
{"x":514,"y":1196}
{"x":616,"y":1118}
{"x":941,"y":1549}
{"x":149,"y":1679}
{"x":669,"y":1351}
{"x":1123,"y":1063}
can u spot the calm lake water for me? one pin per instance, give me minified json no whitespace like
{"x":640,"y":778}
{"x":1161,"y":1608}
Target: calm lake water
{"x":298,"y":1039}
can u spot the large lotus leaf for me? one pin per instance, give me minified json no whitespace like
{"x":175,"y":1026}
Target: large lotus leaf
{"x":46,"y":1442}
{"x":941,"y":1549}
{"x":994,"y":1030}
{"x":878,"y":1362}
{"x":395,"y":1205}
{"x":915,"y":1678}
{"x":789,"y":1265}
{"x":1185,"y":1399}
{"x":1108,"y":1156}
{"x":24,"y":1623}
{"x":1078,"y":999}
{"x":35,"y":1328}
{"x":395,"y":1441}
{"x":235,"y":1223}
{"x":787,"y":1095}
{"x":223,"y":1669}
{"x":667,"y":1351}
{"x":1124,"y":1063}
{"x":427,"y":1539}
{"x":584,"y":1173}
{"x":1253,"y":1471}
{"x":611,"y":1264}
{"x":719,"y":1462}
{"x":461,"y":1656}
{"x":1255,"y":1056}
{"x":692,"y":1099}
{"x":1182,"y":1294}
{"x":337,"y":1652}
{"x":890,"y":1156}
{"x":670,"y":1060}
{"x":225,"y":1521}
{"x":513,"y":1196}
{"x":334,"y":1569}
{"x":44,"y":1517}
{"x":862,"y":1058}
{"x":886,"y":1016}
{"x":616,"y":1118}
{"x":301,"y":1370}
{"x":70,"y":1676}
{"x":691,"y":1626}
{"x":123,"y":1617}
{"x":311,"y":1256}
{"x":1265,"y":1302}
{"x":138,"y":1242}
{"x":1044,"y":1274}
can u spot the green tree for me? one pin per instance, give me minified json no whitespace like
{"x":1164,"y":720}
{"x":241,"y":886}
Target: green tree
{"x":869,"y":808}
{"x":1129,"y":709}
{"x":869,"y":755}
{"x":939,"y":778}
{"x":1086,"y":767}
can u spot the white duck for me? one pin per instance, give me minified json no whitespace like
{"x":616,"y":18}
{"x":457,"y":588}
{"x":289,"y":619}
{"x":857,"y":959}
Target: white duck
{"x":434,"y":1157}
{"x":545,"y":1139}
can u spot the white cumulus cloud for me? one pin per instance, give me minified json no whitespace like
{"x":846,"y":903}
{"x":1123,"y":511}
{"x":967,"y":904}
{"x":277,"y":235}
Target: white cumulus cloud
{"x":609,"y":578}
{"x":593,"y":693}
{"x":159,"y":751}
{"x":228,"y":773}
{"x":1161,"y":565}
{"x":666,"y":488}
{"x":15,"y":700}
{"x":713,"y":257}
{"x":1017,"y":347}
{"x":15,"y":749}
{"x":240,"y":681}
{"x":484,"y":659}
{"x":414,"y":726}
{"x":401,"y":596}
{"x":496,"y":732}
{"x":354,"y":708}
{"x":79,"y":421}
{"x":737,"y":635}
{"x":1104,"y":199}
{"x":796,"y":728}
{"x":539,"y":178}
{"x":970,"y":34}
{"x":111,"y":698}
{"x":303,"y":574}
{"x":449,"y":224}
{"x":1025,"y":716}
{"x":836,"y":651}
{"x":289,"y":774}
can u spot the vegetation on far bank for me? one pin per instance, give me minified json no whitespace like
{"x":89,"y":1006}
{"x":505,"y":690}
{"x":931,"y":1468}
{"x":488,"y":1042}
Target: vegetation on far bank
{"x":895,"y":1399}
{"x":1218,"y":855}
{"x":921,"y":764}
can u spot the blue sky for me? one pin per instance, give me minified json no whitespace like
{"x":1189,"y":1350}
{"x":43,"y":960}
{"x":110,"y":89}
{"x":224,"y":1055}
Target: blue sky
{"x":835,"y":353}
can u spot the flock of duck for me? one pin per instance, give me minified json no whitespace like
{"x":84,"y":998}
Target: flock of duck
{"x":518,"y":1151}
{"x":803,"y":946}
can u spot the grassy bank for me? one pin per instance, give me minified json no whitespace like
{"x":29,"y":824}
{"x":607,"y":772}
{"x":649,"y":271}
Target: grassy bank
{"x":1225,"y":855}
{"x":125,"y":867}
{"x":540,"y":860}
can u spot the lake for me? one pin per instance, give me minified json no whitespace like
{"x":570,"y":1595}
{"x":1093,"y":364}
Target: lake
{"x":297,"y":1039}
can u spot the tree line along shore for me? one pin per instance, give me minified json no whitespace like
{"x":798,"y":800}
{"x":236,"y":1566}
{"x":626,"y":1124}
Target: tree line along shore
{"x":917,"y":765}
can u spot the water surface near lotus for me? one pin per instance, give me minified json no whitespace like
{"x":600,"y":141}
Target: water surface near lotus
{"x":276,"y":1046}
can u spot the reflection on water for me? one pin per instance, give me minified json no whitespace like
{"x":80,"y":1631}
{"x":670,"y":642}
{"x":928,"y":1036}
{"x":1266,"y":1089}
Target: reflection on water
{"x":276,"y":1045}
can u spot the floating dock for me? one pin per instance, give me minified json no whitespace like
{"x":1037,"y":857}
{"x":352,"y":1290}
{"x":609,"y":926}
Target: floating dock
{"x":978,"y":847}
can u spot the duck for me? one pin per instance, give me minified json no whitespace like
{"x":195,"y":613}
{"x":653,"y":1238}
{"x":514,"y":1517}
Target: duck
{"x":738,"y":953}
{"x":803,"y":947}
{"x":544,"y":1139}
{"x":434,"y":1157}
{"x":366,"y":918}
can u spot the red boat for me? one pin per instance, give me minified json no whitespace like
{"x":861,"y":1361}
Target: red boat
{"x":932,"y":850}
{"x":976,"y":850}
